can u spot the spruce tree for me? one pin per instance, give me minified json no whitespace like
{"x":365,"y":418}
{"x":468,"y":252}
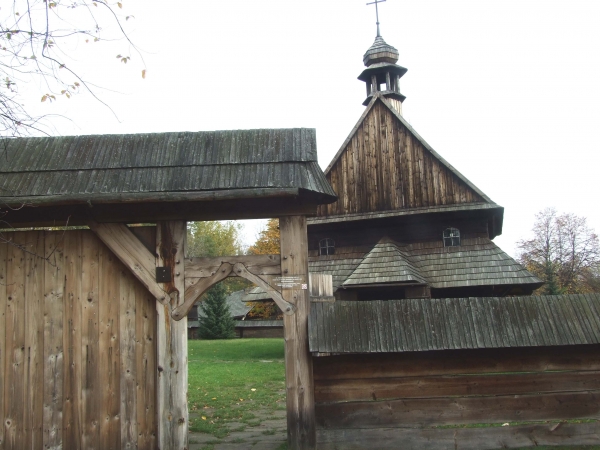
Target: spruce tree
{"x":217,"y":322}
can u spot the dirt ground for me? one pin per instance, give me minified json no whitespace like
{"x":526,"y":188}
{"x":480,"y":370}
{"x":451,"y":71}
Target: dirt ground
{"x":269,"y":435}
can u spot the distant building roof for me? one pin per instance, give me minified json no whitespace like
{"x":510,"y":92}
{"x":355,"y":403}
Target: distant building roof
{"x":259,"y":323}
{"x":440,"y":324}
{"x":237,"y":307}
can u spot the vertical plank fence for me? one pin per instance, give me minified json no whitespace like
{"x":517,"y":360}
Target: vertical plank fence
{"x":77,"y":347}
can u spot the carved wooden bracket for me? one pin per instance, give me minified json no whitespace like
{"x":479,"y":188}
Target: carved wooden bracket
{"x":193,"y":292}
{"x":226,"y":269}
{"x":286,"y":307}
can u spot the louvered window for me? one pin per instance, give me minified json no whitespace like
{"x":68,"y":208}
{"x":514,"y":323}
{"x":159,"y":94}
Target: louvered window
{"x":451,"y":237}
{"x":326,"y":246}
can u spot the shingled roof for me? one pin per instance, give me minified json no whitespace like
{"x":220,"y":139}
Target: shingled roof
{"x":476,"y":262}
{"x":385,"y":263}
{"x":163,"y":167}
{"x":440,"y":324}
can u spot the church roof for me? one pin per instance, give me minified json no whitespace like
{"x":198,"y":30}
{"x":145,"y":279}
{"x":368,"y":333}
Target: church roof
{"x":417,"y":325}
{"x":385,"y":168}
{"x":476,"y":262}
{"x":385,"y":263}
{"x":380,"y":52}
{"x":380,"y":98}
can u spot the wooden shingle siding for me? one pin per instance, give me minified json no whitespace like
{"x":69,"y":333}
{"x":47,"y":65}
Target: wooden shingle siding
{"x":77,"y":351}
{"x":385,"y":166}
{"x":461,"y":323}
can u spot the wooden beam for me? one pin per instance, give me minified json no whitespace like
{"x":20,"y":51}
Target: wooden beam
{"x":193,"y":292}
{"x":131,"y":252}
{"x":256,"y":264}
{"x":172,"y":380}
{"x":286,"y":307}
{"x":298,"y":361}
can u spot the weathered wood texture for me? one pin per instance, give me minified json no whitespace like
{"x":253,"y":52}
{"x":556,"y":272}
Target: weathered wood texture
{"x":384,"y":166}
{"x":77,"y":348}
{"x":298,"y":362}
{"x":172,"y":356}
{"x":493,"y":438}
{"x":457,"y":387}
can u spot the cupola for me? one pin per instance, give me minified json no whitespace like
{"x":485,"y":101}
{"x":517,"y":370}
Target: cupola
{"x":382,"y":75}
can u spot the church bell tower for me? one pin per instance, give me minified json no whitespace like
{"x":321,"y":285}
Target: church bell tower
{"x":382,"y":75}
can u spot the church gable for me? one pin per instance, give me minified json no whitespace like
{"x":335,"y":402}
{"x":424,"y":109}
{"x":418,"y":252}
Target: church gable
{"x":385,"y":165}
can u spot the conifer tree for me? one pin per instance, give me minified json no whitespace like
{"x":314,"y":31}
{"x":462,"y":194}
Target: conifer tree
{"x":217,"y":322}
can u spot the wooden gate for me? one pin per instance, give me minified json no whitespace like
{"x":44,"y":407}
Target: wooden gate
{"x":77,"y":347}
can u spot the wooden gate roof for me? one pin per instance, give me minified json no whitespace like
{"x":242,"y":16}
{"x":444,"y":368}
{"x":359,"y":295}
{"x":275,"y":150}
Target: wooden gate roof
{"x":462,"y":323}
{"x":177,"y":167}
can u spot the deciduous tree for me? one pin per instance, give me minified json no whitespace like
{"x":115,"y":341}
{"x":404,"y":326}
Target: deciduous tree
{"x":266,"y":244}
{"x":268,"y":240}
{"x":37,"y":38}
{"x":214,"y":238}
{"x":564,"y":252}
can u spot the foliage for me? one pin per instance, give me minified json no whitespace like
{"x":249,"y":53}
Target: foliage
{"x":233,"y":380}
{"x":266,"y":244}
{"x":564,"y":252}
{"x":217,"y":322}
{"x":264,"y":310}
{"x":214,"y":239}
{"x":268,"y":240}
{"x":36,"y":38}
{"x":217,"y":239}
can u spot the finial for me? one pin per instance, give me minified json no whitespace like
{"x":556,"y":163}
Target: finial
{"x":376,"y":13}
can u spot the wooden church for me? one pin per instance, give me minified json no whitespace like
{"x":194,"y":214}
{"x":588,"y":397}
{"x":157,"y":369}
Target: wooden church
{"x":433,"y":340}
{"x":406,"y":224}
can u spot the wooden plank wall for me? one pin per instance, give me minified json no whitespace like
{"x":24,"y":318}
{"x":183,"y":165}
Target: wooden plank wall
{"x":77,"y":346}
{"x":384,"y":167}
{"x":429,"y":389}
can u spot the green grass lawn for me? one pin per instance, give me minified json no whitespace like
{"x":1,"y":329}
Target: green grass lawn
{"x":230,"y":380}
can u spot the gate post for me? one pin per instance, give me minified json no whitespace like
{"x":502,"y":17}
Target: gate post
{"x":172,"y":357}
{"x":298,"y":361}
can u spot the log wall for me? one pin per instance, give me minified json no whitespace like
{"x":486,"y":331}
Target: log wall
{"x":77,"y":346}
{"x":426,"y":390}
{"x":385,"y":167}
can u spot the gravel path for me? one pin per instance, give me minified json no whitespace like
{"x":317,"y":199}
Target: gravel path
{"x":269,"y":435}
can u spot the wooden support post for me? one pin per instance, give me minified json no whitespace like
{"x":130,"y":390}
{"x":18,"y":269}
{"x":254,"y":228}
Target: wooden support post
{"x":172,"y":358}
{"x":298,"y":361}
{"x":374,"y":84}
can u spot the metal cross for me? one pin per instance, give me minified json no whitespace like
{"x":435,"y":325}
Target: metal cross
{"x":376,"y":13}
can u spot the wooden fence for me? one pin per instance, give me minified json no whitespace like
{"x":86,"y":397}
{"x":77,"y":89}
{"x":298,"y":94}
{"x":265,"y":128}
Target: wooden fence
{"x":422,"y":399}
{"x":77,"y":346}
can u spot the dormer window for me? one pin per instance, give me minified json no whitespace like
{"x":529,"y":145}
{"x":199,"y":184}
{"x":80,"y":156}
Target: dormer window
{"x":451,"y":237}
{"x":326,"y":247}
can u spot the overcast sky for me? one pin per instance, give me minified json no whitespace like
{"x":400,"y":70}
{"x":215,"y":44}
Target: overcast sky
{"x":507,"y":91}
